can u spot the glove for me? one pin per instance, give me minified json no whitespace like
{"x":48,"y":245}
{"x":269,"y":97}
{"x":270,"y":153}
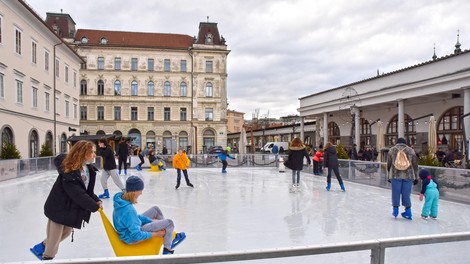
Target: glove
{"x":415,"y":182}
{"x":421,"y":197}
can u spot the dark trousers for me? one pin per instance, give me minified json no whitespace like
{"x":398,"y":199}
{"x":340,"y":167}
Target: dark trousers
{"x":224,"y":165}
{"x":316,"y":167}
{"x":121,"y":161}
{"x":178,"y":178}
{"x":141,"y":160}
{"x":336,"y":171}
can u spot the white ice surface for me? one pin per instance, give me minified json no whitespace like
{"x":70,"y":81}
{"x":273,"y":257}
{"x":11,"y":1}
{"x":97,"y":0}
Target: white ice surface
{"x":245,"y":209}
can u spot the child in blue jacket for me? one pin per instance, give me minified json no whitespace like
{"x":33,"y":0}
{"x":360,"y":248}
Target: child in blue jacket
{"x":133,"y":228}
{"x":430,"y":190}
{"x":223,"y":157}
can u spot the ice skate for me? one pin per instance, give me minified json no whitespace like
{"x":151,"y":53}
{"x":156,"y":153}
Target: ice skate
{"x":179,"y":238}
{"x":105,"y":195}
{"x":38,"y":250}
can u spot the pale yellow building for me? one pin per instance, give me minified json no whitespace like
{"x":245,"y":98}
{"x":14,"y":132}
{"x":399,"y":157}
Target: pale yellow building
{"x":235,"y":121}
{"x":161,"y":89}
{"x":39,"y":87}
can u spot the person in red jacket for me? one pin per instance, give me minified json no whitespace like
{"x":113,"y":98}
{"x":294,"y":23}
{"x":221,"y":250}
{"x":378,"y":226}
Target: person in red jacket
{"x":317,"y":160}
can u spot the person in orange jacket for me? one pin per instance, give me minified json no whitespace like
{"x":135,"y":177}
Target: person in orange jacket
{"x":181,"y":163}
{"x":317,"y":159}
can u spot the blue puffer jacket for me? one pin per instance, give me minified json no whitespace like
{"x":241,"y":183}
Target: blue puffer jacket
{"x":127,"y":222}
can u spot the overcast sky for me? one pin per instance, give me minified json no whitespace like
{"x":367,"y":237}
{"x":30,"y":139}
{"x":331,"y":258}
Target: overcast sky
{"x":284,"y":50}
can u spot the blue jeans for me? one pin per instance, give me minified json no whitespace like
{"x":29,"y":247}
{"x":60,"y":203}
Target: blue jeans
{"x":401,"y":187}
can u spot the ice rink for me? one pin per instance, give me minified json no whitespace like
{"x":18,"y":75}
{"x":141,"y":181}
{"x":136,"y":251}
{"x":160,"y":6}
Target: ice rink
{"x":245,"y":209}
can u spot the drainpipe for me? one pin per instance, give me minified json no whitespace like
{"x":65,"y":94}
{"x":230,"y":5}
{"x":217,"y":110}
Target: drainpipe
{"x":54,"y":146}
{"x":190,"y":51}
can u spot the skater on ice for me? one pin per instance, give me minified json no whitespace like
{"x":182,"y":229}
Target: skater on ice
{"x":223,"y":157}
{"x":109,"y":168}
{"x":297,"y":152}
{"x":181,"y":163}
{"x":430,"y":192}
{"x":330,"y":160}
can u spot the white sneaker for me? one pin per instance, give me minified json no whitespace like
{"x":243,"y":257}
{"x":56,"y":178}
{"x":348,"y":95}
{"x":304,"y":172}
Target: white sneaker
{"x":293,"y":189}
{"x":297,"y":187}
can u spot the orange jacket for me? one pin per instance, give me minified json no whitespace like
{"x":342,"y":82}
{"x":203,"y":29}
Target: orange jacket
{"x":180,"y":161}
{"x":317,"y":156}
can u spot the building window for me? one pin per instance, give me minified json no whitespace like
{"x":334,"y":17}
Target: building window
{"x":100,"y":63}
{"x":2,"y":85}
{"x":67,"y":108}
{"x":46,"y":60}
{"x":183,"y":89}
{"x":209,"y":67}
{"x":167,"y":89}
{"x":18,"y":41}
{"x":183,"y":114}
{"x":117,"y":63}
{"x":19,"y":91}
{"x":117,"y":88}
{"x":134,"y":88}
{"x":35,"y":97}
{"x":209,"y":90}
{"x":100,"y":112}
{"x":57,"y":64}
{"x":333,"y":132}
{"x":46,"y":101}
{"x":74,"y":79}
{"x":117,"y":113}
{"x":209,"y":114}
{"x":150,"y":64}
{"x":83,"y":113}
{"x":183,"y":140}
{"x":66,"y":73}
{"x":166,"y":114}
{"x":150,"y":113}
{"x":134,"y":113}
{"x":166,"y":65}
{"x":134,"y":64}
{"x":392,"y":130}
{"x":83,"y":87}
{"x":449,"y":129}
{"x":150,"y":88}
{"x":74,"y":111}
{"x":34,"y":52}
{"x":183,"y":66}
{"x":33,"y":144}
{"x":100,"y":87}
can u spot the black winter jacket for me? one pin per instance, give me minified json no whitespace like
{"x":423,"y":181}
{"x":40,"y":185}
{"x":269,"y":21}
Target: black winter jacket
{"x":109,"y":163}
{"x":123,"y":150}
{"x":330,"y":157}
{"x":296,"y":158}
{"x":70,"y":202}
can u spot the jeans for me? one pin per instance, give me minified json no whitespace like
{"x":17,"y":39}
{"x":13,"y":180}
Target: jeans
{"x":401,"y":187}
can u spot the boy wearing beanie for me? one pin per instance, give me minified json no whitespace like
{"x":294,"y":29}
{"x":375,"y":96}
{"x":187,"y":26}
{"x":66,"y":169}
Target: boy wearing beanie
{"x":430,"y":190}
{"x":133,"y":228}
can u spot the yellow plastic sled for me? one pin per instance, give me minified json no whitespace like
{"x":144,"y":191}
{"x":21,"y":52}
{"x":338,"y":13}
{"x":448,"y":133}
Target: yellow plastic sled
{"x":150,"y":246}
{"x":154,"y":168}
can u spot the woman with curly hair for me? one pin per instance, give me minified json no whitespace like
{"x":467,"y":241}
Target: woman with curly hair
{"x":295,"y":161}
{"x":71,"y":199}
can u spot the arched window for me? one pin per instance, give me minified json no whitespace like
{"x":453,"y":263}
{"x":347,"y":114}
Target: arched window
{"x":183,"y":89}
{"x":167,"y":138}
{"x":333,"y":133}
{"x":167,"y":89}
{"x":7,"y":136}
{"x":33,"y":144}
{"x":392,"y":131}
{"x":209,"y":89}
{"x":150,"y":88}
{"x":134,"y":88}
{"x":183,"y":140}
{"x":100,"y":87}
{"x":100,"y":132}
{"x":49,"y":139}
{"x":117,"y":87}
{"x":136,"y":137}
{"x":449,"y":129}
{"x":365,"y":133}
{"x":150,"y":138}
{"x":63,"y":143}
{"x":83,"y":87}
{"x":208,"y":139}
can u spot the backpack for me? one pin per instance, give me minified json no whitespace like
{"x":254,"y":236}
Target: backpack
{"x":401,"y":161}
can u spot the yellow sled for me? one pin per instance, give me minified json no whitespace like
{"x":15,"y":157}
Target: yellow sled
{"x":155,"y":168}
{"x":150,"y":246}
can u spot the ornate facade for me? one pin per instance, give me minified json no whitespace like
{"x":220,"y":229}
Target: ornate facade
{"x":160,"y":89}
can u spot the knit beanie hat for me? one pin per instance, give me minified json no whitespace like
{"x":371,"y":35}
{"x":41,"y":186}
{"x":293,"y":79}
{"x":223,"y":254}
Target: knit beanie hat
{"x":134,"y":184}
{"x":423,"y":174}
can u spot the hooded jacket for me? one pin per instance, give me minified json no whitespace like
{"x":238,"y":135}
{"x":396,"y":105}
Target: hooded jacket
{"x":411,"y":173}
{"x":127,"y":222}
{"x":109,"y":163}
{"x":330,"y":157}
{"x":181,"y":161}
{"x":296,"y":157}
{"x":70,"y":202}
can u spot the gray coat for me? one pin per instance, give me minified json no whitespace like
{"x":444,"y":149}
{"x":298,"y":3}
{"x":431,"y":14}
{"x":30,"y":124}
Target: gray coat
{"x":411,"y":173}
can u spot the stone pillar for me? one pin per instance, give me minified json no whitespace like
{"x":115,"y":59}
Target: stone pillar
{"x":401,"y":118}
{"x":302,"y":136}
{"x":357,"y":127}
{"x":325,"y":128}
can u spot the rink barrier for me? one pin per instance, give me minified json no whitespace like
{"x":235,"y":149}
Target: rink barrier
{"x":377,"y":248}
{"x":454,"y":183}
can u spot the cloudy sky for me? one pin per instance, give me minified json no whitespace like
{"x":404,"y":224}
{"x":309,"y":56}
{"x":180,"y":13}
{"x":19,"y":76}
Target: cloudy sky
{"x":284,"y":50}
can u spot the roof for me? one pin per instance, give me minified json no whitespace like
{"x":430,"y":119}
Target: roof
{"x":134,"y":39}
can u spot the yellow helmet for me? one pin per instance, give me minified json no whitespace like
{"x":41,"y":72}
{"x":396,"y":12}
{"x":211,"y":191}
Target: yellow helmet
{"x":228,"y":149}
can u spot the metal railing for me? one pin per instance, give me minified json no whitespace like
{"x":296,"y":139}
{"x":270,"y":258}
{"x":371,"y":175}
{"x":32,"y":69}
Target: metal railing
{"x":377,"y":248}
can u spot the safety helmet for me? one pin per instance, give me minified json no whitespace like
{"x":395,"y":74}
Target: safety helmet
{"x":228,"y":149}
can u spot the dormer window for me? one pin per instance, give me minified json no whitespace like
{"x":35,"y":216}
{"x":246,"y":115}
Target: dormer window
{"x":209,"y":38}
{"x":103,"y":41}
{"x":84,"y":40}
